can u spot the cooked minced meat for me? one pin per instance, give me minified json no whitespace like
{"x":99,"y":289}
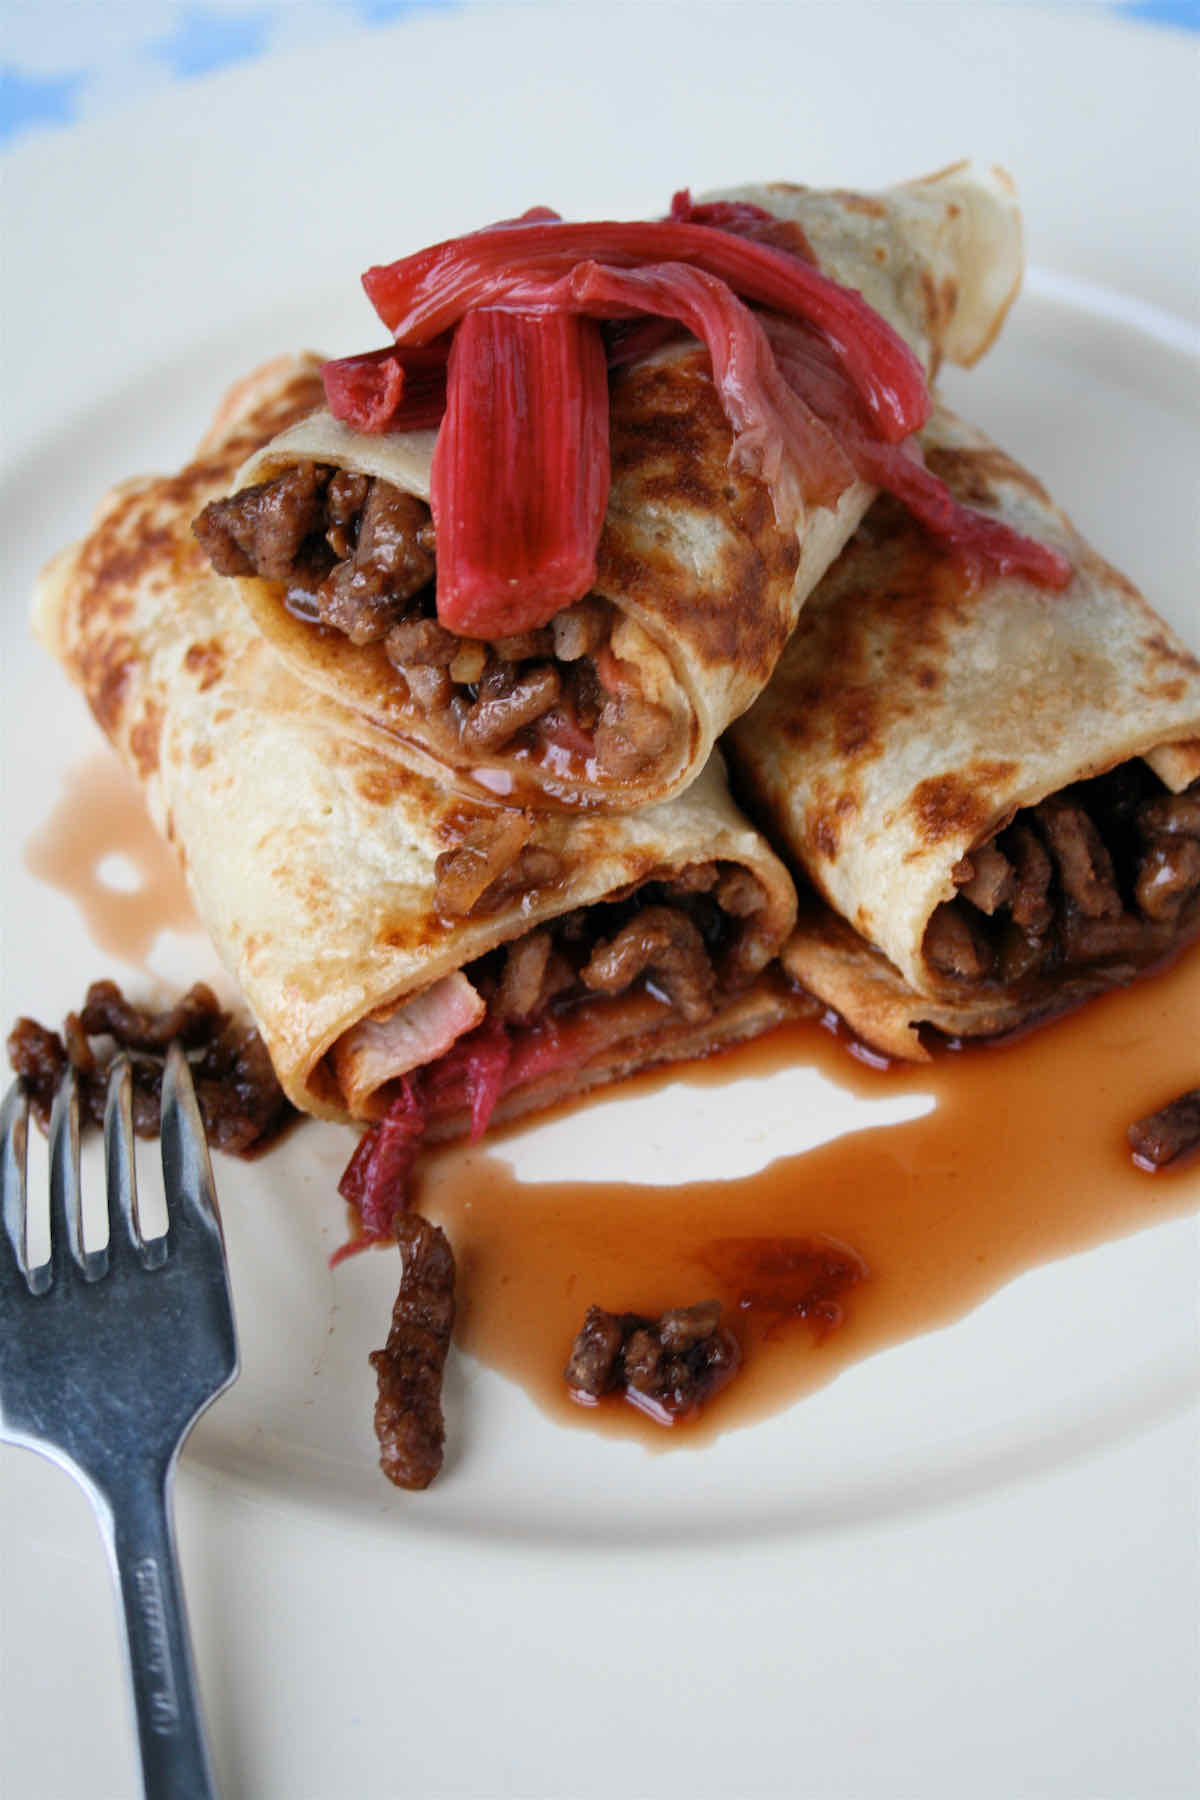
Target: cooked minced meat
{"x":1168,"y":877}
{"x":508,"y":700}
{"x":356,"y":555}
{"x":955,"y":944}
{"x":240,"y":1099}
{"x":662,"y":943}
{"x":493,"y":862}
{"x":264,"y":529}
{"x":630,"y":733}
{"x":667,"y":1366}
{"x":670,"y":937}
{"x":579,"y":629}
{"x":1173,"y":1131}
{"x":1031,"y":908}
{"x":991,"y":881}
{"x":1108,"y":870}
{"x":423,"y":643}
{"x":534,"y":974}
{"x":408,"y":1412}
{"x":359,"y":548}
{"x":1172,"y":815}
{"x":1083,"y":864}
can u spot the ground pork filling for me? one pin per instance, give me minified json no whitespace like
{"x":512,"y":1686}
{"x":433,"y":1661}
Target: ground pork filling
{"x":1106,"y":873}
{"x":357,"y":556}
{"x":688,"y":938}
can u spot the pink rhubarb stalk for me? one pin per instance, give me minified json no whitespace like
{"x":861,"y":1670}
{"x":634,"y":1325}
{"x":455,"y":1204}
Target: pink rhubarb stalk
{"x":978,"y":540}
{"x":389,"y":389}
{"x":520,"y":470}
{"x":743,"y":219}
{"x":375,"y":1180}
{"x":423,"y":295}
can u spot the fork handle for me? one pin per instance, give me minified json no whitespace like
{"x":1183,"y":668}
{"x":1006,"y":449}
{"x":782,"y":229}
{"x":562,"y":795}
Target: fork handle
{"x":170,"y":1727}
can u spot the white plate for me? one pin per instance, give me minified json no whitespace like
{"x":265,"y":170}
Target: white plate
{"x":868,"y":1595}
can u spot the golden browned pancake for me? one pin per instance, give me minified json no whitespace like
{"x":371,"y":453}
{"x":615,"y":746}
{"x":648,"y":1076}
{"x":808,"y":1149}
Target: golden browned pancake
{"x":919,"y":721}
{"x":339,"y":883}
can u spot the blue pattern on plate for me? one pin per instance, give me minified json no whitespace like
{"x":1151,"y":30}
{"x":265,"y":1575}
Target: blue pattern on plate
{"x":60,"y":62}
{"x":204,"y":40}
{"x":382,"y":12}
{"x":1184,"y":15}
{"x":27,"y":99}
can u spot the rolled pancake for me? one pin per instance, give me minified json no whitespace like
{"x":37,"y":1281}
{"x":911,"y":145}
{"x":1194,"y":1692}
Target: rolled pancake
{"x":701,"y":581}
{"x":346,"y":892}
{"x":922,"y":720}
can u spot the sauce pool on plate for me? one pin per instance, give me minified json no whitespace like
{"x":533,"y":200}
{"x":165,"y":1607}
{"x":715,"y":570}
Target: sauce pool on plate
{"x":1022,"y":1159}
{"x":99,"y":848}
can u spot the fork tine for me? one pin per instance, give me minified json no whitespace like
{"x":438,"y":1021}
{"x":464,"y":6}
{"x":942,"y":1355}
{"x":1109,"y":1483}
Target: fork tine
{"x":66,"y":1193}
{"x":14,"y":1136}
{"x":187,"y":1170}
{"x":120,"y":1172}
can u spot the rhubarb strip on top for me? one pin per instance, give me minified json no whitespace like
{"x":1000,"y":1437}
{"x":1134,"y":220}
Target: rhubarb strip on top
{"x":812,"y":373}
{"x":520,"y":472}
{"x":428,"y":293}
{"x":830,"y":392}
{"x":389,"y":389}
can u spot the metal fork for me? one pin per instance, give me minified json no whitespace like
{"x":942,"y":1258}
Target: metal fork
{"x":107,"y":1358}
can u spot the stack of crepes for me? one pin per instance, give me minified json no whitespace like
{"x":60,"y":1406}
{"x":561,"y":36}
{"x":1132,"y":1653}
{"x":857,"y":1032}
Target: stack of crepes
{"x":461,"y":870}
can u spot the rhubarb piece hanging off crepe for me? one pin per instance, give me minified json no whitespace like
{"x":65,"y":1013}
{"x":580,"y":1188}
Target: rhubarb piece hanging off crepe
{"x":736,"y":470}
{"x":994,"y":787}
{"x":380,"y":927}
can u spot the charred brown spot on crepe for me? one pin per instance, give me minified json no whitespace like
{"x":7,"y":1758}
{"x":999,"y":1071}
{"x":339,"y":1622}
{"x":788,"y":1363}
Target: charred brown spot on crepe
{"x":940,"y":302}
{"x":980,"y":475}
{"x":206,"y":661}
{"x":828,"y":820}
{"x":381,"y":784}
{"x":857,"y":723}
{"x":868,"y":205}
{"x":837,"y":694}
{"x":947,"y":805}
{"x":670,"y":447}
{"x":145,"y":737}
{"x":128,"y":545}
{"x":105,"y":661}
{"x":1170,"y":667}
